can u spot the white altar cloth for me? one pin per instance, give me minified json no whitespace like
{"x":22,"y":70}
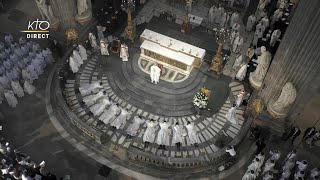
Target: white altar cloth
{"x":195,"y":20}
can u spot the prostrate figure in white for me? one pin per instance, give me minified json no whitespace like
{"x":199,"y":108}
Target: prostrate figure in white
{"x":77,"y":57}
{"x":28,"y":88}
{"x":150,"y":132}
{"x":239,"y":98}
{"x":124,"y":52}
{"x":90,"y":88}
{"x":93,"y":41}
{"x":178,"y":135}
{"x":98,"y":108}
{"x":17,"y":89}
{"x":134,"y":127}
{"x":192,"y":134}
{"x":91,"y":99}
{"x":163,"y":138}
{"x":121,"y":119}
{"x":83,"y":52}
{"x":74,"y":66}
{"x":104,"y":48}
{"x":231,"y":115}
{"x":109,"y":114}
{"x":11,"y":99}
{"x":155,"y":74}
{"x":237,"y":44}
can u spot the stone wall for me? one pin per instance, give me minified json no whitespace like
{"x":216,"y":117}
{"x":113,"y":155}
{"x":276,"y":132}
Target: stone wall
{"x":297,"y":59}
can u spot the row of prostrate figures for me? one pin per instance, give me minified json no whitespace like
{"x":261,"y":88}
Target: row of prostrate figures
{"x":21,"y":63}
{"x":290,"y":168}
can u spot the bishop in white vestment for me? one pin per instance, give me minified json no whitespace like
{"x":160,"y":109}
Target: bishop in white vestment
{"x":231,"y":115}
{"x":99,"y":107}
{"x":237,"y":44}
{"x":17,"y":89}
{"x":241,"y":74}
{"x":93,"y":41}
{"x":83,"y":52}
{"x":104,"y":48}
{"x":124,"y":52}
{"x":192,"y":134}
{"x":134,"y":127}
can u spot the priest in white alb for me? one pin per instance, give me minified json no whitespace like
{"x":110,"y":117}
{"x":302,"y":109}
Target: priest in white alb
{"x":251,"y":21}
{"x":74,"y":66}
{"x":231,"y":115}
{"x":155,"y":73}
{"x":17,"y":89}
{"x":98,"y":108}
{"x":274,"y":37}
{"x":241,"y":74}
{"x":134,"y":127}
{"x":178,"y":135}
{"x":150,"y":132}
{"x":192,"y":134}
{"x":77,"y":57}
{"x":163,"y":138}
{"x":239,"y":98}
{"x":124,"y":52}
{"x":109,"y":114}
{"x":121,"y":119}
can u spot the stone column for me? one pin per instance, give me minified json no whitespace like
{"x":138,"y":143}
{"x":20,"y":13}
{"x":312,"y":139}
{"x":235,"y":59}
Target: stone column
{"x":297,"y":59}
{"x":65,"y":11}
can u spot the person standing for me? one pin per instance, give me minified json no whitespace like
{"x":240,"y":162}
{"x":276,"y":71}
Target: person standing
{"x":231,"y":115}
{"x":93,"y":41}
{"x":294,"y":133}
{"x":192,"y":134}
{"x":121,"y":119}
{"x":178,"y":135}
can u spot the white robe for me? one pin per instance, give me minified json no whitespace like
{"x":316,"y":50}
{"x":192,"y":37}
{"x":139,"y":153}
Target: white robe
{"x":163,"y":137}
{"x":178,"y":134}
{"x":121,"y":119}
{"x":250,"y":23}
{"x":231,"y":115}
{"x":98,"y":108}
{"x":89,"y":88}
{"x":150,"y":132}
{"x":104,"y":48}
{"x":239,"y":99}
{"x":238,"y":62}
{"x":289,"y":164}
{"x":124,"y":53}
{"x":241,"y":74}
{"x":26,"y":76}
{"x":276,"y":16}
{"x":91,"y":99}
{"x":155,"y":74}
{"x":83,"y":52}
{"x":254,"y":166}
{"x":248,"y":176}
{"x":11,"y":99}
{"x":134,"y":127}
{"x":224,"y":19}
{"x":193,"y":136}
{"x":274,"y":37}
{"x":234,"y":18}
{"x":257,"y":35}
{"x":17,"y":89}
{"x":77,"y":57}
{"x":74,"y":66}
{"x":237,"y":44}
{"x":109,"y":114}
{"x":28,"y":88}
{"x":93,"y":41}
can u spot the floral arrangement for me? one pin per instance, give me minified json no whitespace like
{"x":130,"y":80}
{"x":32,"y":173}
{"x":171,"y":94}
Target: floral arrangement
{"x":200,"y":100}
{"x":72,"y":34}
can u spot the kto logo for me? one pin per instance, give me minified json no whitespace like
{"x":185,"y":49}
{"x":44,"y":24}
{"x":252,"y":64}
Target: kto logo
{"x":38,"y":29}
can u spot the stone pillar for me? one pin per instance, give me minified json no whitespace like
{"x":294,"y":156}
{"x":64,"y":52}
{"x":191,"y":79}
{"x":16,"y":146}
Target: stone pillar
{"x":297,"y":59}
{"x":65,"y":11}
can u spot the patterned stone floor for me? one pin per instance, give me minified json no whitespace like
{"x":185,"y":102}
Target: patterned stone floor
{"x":210,"y":129}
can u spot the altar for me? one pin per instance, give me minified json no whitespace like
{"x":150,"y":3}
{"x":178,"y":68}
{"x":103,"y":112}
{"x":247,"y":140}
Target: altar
{"x":170,"y":53}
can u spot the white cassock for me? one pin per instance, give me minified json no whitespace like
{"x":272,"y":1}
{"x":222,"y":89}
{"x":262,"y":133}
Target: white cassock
{"x":276,"y":16}
{"x":178,"y":134}
{"x":224,"y":19}
{"x":74,"y":66}
{"x":238,"y":62}
{"x":239,"y":99}
{"x":265,"y":22}
{"x":17,"y":89}
{"x":285,"y":175}
{"x":11,"y":99}
{"x":193,"y":136}
{"x":254,"y":166}
{"x":31,"y":69}
{"x":250,"y":23}
{"x":268,"y":167}
{"x":134,"y":127}
{"x":4,"y":81}
{"x":231,"y":115}
{"x":163,"y":137}
{"x":288,"y":165}
{"x":121,"y":119}
{"x":274,"y":37}
{"x":248,"y":176}
{"x":83,"y":52}
{"x":257,"y":35}
{"x":93,"y":41}
{"x":109,"y":114}
{"x":124,"y":52}
{"x":90,"y":88}
{"x":150,"y":132}
{"x":104,"y":48}
{"x":234,"y":34}
{"x":241,"y":74}
{"x":234,"y":18}
{"x":91,"y":99}
{"x":77,"y":57}
{"x":237,"y":44}
{"x":219,"y":13}
{"x":261,"y":159}
{"x":98,"y":108}
{"x":28,"y":88}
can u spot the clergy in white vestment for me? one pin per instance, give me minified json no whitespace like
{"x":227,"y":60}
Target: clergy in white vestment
{"x":237,"y":43}
{"x":100,"y":31}
{"x":4,"y":81}
{"x":98,"y":108}
{"x":268,"y":166}
{"x":104,"y":48}
{"x":231,"y":115}
{"x":11,"y":99}
{"x":213,"y":14}
{"x":219,"y":13}
{"x":121,"y":119}
{"x":257,"y":35}
{"x":238,"y":62}
{"x":28,"y":88}
{"x":83,"y":52}
{"x":124,"y":52}
{"x":241,"y":74}
{"x":261,"y":7}
{"x":91,"y":99}
{"x":251,"y":21}
{"x":288,"y":165}
{"x":236,"y":27}
{"x":254,"y":166}
{"x":150,"y":132}
{"x":163,"y":138}
{"x":302,"y":165}
{"x":109,"y":114}
{"x":17,"y":89}
{"x":224,"y":19}
{"x":239,"y":98}
{"x":234,"y":18}
{"x":155,"y":72}
{"x":275,"y":155}
{"x":249,"y":176}
{"x":261,"y":158}
{"x":93,"y":41}
{"x":268,"y":176}
{"x":192,"y":134}
{"x":265,"y":22}
{"x":276,"y":16}
{"x":231,"y":151}
{"x":90,"y":88}
{"x":134,"y":127}
{"x":8,"y":39}
{"x":74,"y":65}
{"x":178,"y":135}
{"x":77,"y":57}
{"x":274,"y":37}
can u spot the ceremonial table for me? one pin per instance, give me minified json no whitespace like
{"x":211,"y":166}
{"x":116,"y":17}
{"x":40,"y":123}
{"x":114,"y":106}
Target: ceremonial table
{"x":169,"y":52}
